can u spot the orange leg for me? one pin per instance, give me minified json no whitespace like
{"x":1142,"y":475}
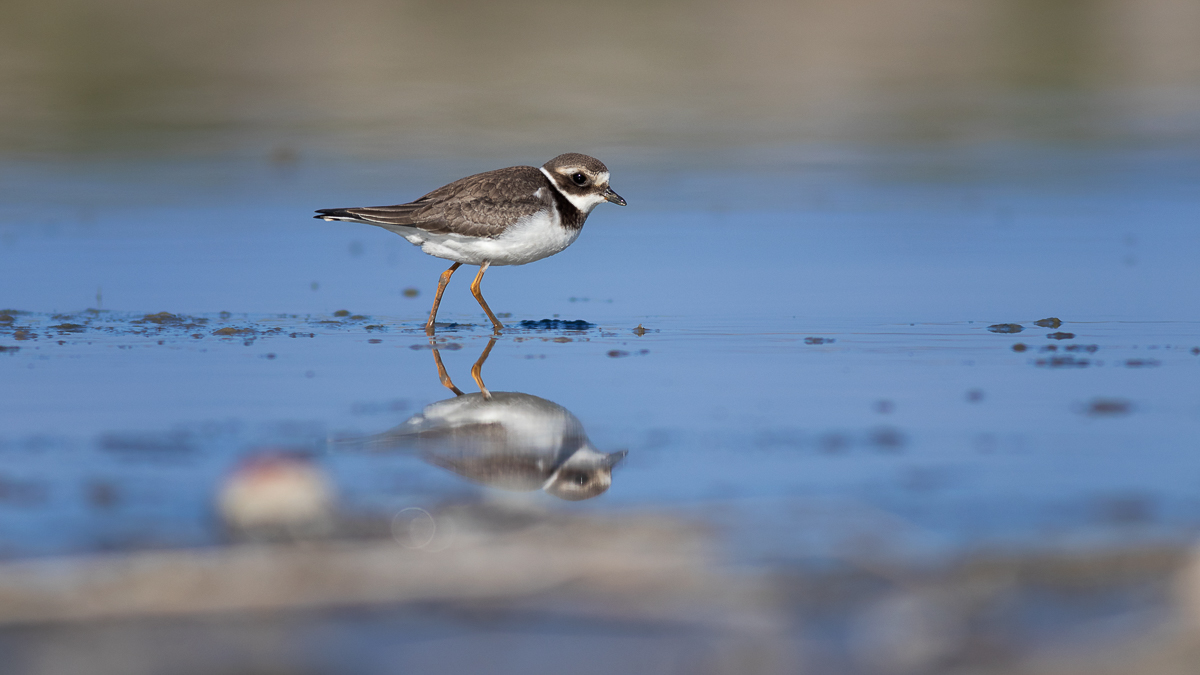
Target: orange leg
{"x":496,"y":325}
{"x":437,"y":300}
{"x":477,"y":370}
{"x":442,"y":375}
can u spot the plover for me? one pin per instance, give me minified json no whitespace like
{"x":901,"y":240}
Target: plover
{"x":508,"y":216}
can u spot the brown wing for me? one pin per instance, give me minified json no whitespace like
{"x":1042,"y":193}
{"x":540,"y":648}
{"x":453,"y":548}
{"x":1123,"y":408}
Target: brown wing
{"x":481,"y":205}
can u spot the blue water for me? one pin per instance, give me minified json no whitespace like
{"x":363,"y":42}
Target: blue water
{"x":817,"y":367}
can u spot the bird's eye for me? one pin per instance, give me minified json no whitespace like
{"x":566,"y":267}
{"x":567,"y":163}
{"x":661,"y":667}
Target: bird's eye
{"x":579,"y":179}
{"x":582,"y":479}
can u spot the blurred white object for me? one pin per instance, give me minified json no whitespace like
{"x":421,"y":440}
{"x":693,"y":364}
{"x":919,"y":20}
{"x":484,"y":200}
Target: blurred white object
{"x":277,"y":491}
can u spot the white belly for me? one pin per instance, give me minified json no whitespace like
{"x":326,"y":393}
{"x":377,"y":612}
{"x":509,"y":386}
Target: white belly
{"x":523,"y":242}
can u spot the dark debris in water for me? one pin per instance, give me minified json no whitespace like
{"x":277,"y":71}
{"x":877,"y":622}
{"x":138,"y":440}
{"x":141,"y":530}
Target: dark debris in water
{"x":70,"y":328}
{"x":1063,"y":362}
{"x":1142,"y":363}
{"x":162,"y":319}
{"x":819,"y":340}
{"x":92,"y":325}
{"x":1006,"y":328}
{"x":1108,"y":407}
{"x":453,"y":325}
{"x":1061,"y":336}
{"x":1051,"y":322}
{"x":1090,"y":349}
{"x":556,"y":324}
{"x":102,"y":494}
{"x":888,"y":439}
{"x":621,"y":353}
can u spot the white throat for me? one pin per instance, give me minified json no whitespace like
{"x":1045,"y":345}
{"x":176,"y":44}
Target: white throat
{"x":584,"y":203}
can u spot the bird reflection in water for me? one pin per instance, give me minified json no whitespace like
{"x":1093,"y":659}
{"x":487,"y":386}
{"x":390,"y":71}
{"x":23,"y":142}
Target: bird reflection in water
{"x":502,"y":439}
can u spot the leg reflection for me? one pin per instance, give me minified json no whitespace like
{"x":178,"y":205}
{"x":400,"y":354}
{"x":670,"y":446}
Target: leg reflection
{"x":477,"y":370}
{"x":442,"y":374}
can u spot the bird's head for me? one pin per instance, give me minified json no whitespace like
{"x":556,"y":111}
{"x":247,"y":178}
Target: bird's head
{"x":582,"y":179}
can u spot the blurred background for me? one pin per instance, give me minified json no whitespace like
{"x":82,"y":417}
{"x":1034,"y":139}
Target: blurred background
{"x":388,"y":79}
{"x":898,"y":330}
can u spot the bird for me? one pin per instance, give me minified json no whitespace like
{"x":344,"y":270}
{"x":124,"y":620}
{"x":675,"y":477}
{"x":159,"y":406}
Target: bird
{"x":507,"y":216}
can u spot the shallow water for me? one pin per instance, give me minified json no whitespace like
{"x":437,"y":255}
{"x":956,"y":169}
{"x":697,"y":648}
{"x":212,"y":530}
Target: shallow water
{"x":820,"y":357}
{"x":820,"y":334}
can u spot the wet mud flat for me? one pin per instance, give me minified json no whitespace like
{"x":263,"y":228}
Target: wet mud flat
{"x":277,"y":491}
